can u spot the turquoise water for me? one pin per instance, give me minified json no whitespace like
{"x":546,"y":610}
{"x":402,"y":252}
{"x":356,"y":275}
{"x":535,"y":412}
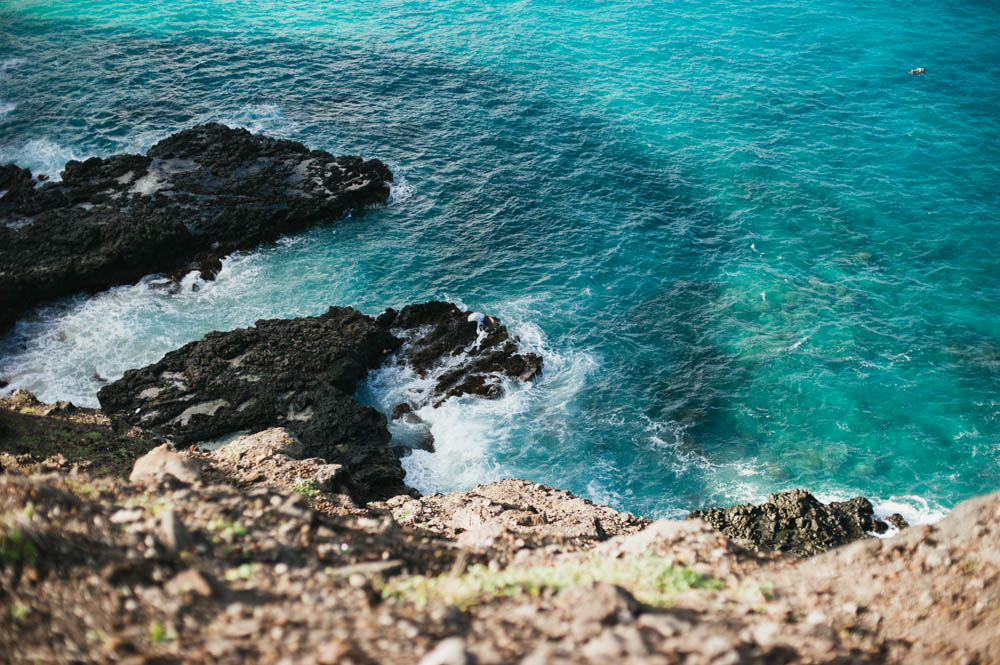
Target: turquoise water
{"x":755,"y":253}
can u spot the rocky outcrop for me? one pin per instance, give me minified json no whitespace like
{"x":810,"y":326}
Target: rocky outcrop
{"x":467,"y":354}
{"x":274,"y":458}
{"x":795,"y":521}
{"x":301,"y":374}
{"x":511,"y":516}
{"x":193,"y":197}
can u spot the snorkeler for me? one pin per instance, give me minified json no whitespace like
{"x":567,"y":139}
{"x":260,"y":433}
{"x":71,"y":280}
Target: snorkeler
{"x":916,"y":70}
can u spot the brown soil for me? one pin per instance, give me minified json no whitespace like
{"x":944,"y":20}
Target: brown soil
{"x":260,"y":561}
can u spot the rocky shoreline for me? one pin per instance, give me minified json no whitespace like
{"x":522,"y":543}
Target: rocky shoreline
{"x":191,"y":199}
{"x":302,"y":374}
{"x":253,"y":552}
{"x":296,"y":540}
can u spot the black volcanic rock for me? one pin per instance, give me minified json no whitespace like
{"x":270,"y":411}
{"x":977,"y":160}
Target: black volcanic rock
{"x":466,"y":358}
{"x":302,"y":373}
{"x":795,"y":521}
{"x":192,"y":198}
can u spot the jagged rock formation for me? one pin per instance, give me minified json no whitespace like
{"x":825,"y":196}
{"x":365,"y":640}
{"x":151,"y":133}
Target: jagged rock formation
{"x":795,"y":521}
{"x":302,"y":373}
{"x":194,"y":196}
{"x":467,"y":357}
{"x":298,"y":373}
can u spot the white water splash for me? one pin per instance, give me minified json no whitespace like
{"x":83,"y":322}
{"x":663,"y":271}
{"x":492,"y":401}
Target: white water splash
{"x":41,"y":155}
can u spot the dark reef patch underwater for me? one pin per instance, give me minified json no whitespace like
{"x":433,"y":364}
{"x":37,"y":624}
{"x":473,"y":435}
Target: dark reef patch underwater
{"x":753,"y":252}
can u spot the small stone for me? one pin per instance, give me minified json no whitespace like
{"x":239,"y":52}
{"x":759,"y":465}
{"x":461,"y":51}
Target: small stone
{"x":126,"y":515}
{"x":189,"y":581}
{"x":162,"y":461}
{"x":332,"y":652}
{"x":173,"y":534}
{"x":450,"y":651}
{"x":766,"y":634}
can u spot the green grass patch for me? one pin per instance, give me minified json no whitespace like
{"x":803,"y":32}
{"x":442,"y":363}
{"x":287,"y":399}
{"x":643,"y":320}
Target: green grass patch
{"x":15,"y":548}
{"x":307,"y":488}
{"x":651,"y":579}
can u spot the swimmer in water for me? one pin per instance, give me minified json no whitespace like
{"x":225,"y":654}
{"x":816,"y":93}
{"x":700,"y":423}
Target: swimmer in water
{"x":916,"y":70}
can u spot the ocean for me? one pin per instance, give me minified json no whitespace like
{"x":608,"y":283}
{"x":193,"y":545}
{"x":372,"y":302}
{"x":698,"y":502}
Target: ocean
{"x":754,"y":252}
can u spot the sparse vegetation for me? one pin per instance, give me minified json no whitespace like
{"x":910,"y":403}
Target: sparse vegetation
{"x":157,"y":634}
{"x":16,"y":548}
{"x":307,"y":488}
{"x":651,"y":579}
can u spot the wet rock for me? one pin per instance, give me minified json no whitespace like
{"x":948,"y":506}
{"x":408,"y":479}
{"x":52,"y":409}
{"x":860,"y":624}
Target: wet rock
{"x":192,"y":198}
{"x":301,"y":375}
{"x":398,"y":411}
{"x":897,"y":521}
{"x":795,"y":521}
{"x":162,"y":462}
{"x":466,"y":358}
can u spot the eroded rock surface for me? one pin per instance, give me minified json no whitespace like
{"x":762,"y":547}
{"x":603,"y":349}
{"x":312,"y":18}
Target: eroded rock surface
{"x":795,"y":521}
{"x":301,"y":374}
{"x":274,"y":458}
{"x":511,"y":516}
{"x":465,"y":356}
{"x":229,"y":572}
{"x":194,"y":196}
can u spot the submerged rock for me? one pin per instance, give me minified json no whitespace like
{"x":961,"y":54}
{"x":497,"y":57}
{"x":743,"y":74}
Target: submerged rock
{"x":301,"y":374}
{"x":192,"y":198}
{"x":795,"y":521}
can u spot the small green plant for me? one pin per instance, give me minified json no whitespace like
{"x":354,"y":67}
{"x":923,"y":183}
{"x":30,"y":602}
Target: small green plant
{"x":652,"y":579}
{"x":18,"y":611}
{"x":226,"y":528}
{"x":96,"y":636}
{"x":94,"y":436}
{"x":307,"y":488}
{"x":15,"y":548}
{"x":157,"y":634}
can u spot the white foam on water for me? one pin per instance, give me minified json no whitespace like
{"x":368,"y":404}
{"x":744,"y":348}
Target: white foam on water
{"x":472,"y":434}
{"x":41,"y":155}
{"x":400,"y":190}
{"x":915,"y":509}
{"x":6,"y":108}
{"x":10,"y":63}
{"x":69,"y":349}
{"x":267,"y":118}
